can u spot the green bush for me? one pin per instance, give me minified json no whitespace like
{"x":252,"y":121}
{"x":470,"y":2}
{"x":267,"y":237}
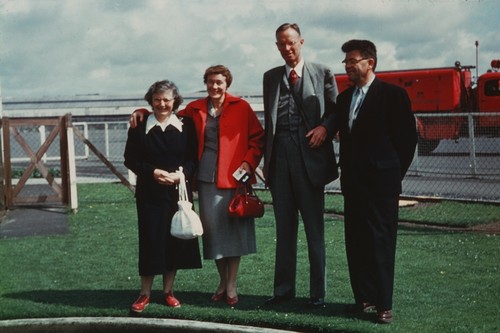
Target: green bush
{"x":18,"y":172}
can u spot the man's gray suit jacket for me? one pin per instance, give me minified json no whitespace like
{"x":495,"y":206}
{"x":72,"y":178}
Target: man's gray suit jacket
{"x":319,"y":92}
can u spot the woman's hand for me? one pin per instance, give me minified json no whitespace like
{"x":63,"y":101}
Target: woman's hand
{"x":166,"y":178}
{"x":245,"y":166}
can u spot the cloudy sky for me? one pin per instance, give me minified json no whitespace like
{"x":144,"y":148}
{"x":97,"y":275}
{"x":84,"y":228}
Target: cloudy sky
{"x":119,"y":47}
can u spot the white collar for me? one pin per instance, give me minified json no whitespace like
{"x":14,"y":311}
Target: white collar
{"x":365,"y":88}
{"x":298,"y":68}
{"x":172,"y":120}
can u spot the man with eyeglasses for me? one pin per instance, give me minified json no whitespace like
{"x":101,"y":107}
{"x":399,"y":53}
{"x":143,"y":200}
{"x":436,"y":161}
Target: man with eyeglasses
{"x":298,"y":161}
{"x":377,"y":142}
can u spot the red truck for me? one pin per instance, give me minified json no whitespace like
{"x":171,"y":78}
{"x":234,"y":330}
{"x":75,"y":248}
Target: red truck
{"x":449,"y":90}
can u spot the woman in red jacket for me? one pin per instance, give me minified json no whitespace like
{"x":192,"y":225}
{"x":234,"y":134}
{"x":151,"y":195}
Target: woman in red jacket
{"x":230,"y":138}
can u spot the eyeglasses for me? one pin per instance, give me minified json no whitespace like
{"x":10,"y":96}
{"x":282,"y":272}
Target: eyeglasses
{"x":352,"y":61}
{"x":284,"y":45}
{"x":164,"y":100}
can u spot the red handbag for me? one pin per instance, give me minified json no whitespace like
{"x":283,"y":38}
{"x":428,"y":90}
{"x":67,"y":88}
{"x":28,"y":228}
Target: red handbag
{"x":245,"y":203}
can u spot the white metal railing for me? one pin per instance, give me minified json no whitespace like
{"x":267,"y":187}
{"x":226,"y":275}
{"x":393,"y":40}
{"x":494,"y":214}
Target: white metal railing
{"x":119,"y":136}
{"x":85,"y":126}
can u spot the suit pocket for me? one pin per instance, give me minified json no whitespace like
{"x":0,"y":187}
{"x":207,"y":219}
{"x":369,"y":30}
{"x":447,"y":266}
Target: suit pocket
{"x":385,"y":178}
{"x":387,"y":164}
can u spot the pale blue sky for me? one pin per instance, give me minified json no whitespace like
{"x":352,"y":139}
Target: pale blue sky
{"x":119,"y":47}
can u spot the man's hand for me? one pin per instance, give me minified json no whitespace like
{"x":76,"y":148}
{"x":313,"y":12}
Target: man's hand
{"x":137,"y":117}
{"x":317,"y":136}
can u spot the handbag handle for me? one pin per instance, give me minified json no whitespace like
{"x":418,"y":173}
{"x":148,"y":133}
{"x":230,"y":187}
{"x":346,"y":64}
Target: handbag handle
{"x":183,"y":195}
{"x":246,"y":187}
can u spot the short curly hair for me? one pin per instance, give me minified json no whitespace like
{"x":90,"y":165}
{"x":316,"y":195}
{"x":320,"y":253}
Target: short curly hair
{"x":163,"y":86}
{"x":218,"y":69}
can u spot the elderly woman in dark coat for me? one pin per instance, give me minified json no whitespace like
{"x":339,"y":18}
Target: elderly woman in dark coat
{"x":155,"y":149}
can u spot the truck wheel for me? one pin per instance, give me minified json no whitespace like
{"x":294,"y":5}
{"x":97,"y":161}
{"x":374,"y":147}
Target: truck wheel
{"x":426,"y":147}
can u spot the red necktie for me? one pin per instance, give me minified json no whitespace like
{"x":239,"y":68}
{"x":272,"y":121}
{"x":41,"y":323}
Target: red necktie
{"x":293,"y":77}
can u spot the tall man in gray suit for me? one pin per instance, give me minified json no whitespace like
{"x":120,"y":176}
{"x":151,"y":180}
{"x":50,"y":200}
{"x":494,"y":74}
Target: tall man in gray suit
{"x":298,"y":160}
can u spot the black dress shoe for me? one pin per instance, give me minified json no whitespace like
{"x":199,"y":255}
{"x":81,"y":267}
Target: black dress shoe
{"x":316,"y":302}
{"x":384,"y":317}
{"x":277,"y":299}
{"x":359,"y":308}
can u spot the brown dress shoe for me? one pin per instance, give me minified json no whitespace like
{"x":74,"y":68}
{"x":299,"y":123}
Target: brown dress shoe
{"x":384,"y":317}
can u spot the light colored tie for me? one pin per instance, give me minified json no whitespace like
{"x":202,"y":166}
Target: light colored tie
{"x":357,"y":97}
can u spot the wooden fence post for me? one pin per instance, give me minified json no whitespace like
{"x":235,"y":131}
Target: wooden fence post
{"x":73,"y":193}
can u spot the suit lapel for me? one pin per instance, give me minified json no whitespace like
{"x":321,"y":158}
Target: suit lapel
{"x":275,"y":94}
{"x":308,"y":95}
{"x":367,"y":102}
{"x":372,"y":92}
{"x":307,"y":84}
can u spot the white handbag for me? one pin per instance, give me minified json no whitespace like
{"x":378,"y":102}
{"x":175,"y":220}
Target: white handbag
{"x":186,"y":224}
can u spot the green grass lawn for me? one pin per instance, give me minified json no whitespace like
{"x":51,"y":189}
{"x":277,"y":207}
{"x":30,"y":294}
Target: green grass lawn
{"x":445,"y":281}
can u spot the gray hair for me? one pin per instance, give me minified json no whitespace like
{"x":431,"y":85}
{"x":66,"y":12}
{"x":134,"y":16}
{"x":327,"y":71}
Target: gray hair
{"x":163,"y":86}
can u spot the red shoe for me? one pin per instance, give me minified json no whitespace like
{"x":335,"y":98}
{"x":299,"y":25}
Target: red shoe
{"x":218,"y":297}
{"x":232,"y":300}
{"x":140,"y":304}
{"x":171,"y":300}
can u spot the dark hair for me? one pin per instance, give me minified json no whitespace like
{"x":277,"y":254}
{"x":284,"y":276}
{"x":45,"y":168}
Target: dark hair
{"x":365,"y":47}
{"x":163,"y":86}
{"x":218,"y":69}
{"x":286,"y":26}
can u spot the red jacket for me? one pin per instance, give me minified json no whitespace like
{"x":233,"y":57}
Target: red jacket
{"x":241,"y":136}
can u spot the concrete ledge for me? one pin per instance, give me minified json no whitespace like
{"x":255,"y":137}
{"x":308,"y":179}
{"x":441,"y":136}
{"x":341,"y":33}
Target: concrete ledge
{"x":122,"y":325}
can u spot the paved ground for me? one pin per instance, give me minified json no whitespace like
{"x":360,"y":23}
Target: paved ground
{"x":34,"y":221}
{"x":124,"y":325}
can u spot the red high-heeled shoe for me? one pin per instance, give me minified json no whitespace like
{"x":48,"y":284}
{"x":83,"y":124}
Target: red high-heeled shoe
{"x":232,"y":300}
{"x":218,"y":297}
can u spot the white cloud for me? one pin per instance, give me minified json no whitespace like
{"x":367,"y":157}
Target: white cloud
{"x":57,"y":47}
{"x":100,"y":73}
{"x":15,"y":7}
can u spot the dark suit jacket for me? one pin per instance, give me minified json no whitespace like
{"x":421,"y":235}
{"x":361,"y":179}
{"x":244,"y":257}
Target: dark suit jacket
{"x":319,"y":91}
{"x":377,"y":152}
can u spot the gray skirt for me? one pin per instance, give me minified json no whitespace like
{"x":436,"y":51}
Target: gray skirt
{"x":223,"y":236}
